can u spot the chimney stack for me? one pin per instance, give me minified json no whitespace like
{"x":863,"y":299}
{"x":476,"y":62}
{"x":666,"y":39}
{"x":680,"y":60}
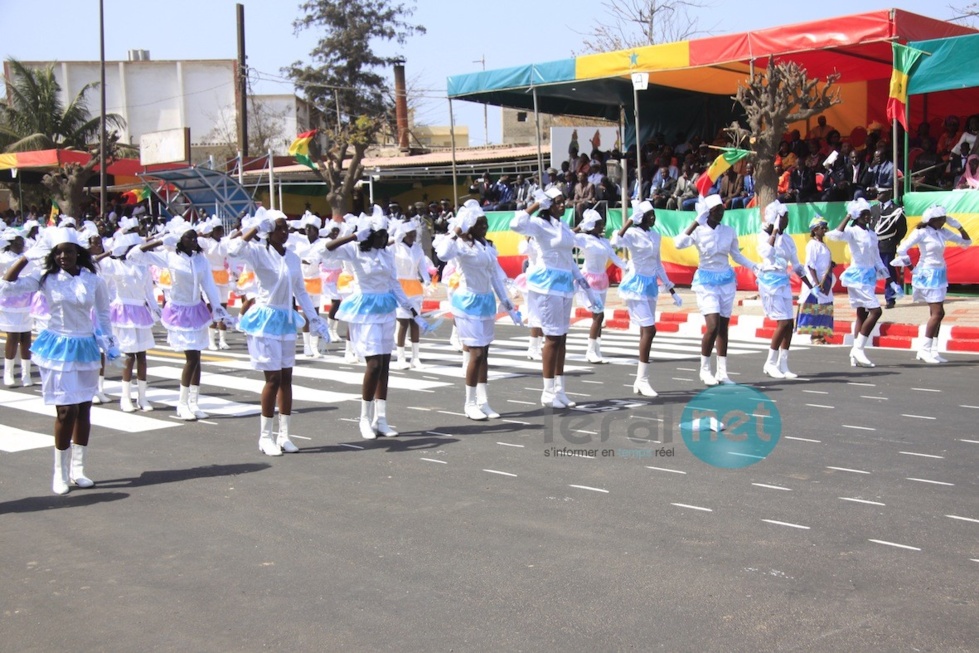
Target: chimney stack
{"x":401,"y":104}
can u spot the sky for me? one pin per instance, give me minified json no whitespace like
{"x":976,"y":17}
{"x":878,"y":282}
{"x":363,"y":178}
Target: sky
{"x":504,"y":33}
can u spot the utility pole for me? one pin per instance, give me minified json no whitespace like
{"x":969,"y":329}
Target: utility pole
{"x":482,"y":60}
{"x":242,"y":84}
{"x":102,"y":161}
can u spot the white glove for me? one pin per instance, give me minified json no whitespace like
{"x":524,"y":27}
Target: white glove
{"x":321,"y":328}
{"x":363,"y":232}
{"x":594,"y":300}
{"x":901,"y":261}
{"x":897,"y":288}
{"x":426,"y":326}
{"x":541,"y":198}
{"x":952,"y":222}
{"x":220,"y":314}
{"x":677,"y":300}
{"x":37,"y":253}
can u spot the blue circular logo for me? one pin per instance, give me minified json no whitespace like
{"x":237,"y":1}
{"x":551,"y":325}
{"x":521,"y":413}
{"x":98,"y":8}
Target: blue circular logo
{"x":730,"y":426}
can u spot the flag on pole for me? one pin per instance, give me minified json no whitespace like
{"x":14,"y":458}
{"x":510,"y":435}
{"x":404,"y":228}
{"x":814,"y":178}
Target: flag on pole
{"x":300,"y":148}
{"x":897,"y":99}
{"x":55,"y":212}
{"x":728,"y":158}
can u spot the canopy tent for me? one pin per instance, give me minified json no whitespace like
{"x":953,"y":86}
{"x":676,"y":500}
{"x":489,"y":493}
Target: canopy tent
{"x":203,"y":190}
{"x":690,"y":82}
{"x":37,"y":162}
{"x":950,"y":65}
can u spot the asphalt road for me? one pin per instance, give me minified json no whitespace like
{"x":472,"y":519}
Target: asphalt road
{"x":858,"y":531}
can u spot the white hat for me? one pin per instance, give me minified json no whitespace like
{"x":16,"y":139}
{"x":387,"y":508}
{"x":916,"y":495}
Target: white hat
{"x":66,"y":220}
{"x":704,"y":206}
{"x":857,"y":206}
{"x":554,"y":192}
{"x":310,"y":219}
{"x":773,"y":212}
{"x":933,"y":212}
{"x":589,"y":219}
{"x":178,"y":226}
{"x":405,"y":227}
{"x":467,"y":217}
{"x":30,"y":224}
{"x":122,"y":244}
{"x":379,"y":221}
{"x":474,"y":208}
{"x":60,"y":235}
{"x":641,"y":209}
{"x":274,"y":214}
{"x":9,"y":235}
{"x":128,"y":224}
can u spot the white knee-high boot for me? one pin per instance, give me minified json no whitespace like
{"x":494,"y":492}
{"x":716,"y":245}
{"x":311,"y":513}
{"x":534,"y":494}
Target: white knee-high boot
{"x":144,"y":404}
{"x":25,"y":373}
{"x":366,"y":418}
{"x":192,"y":396}
{"x":381,"y":419}
{"x":8,"y":372}
{"x":783,"y":365}
{"x":266,"y":444}
{"x":641,"y":386}
{"x":416,"y":359}
{"x":482,"y":401}
{"x":471,"y":408}
{"x":126,"y":400}
{"x":183,"y":407}
{"x":62,"y":461}
{"x":77,"y":473}
{"x":282,"y":439}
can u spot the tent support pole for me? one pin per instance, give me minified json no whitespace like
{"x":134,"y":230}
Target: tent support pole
{"x":271,"y":183}
{"x":894,"y":152}
{"x":452,"y":139}
{"x":635,"y":99}
{"x":624,"y":186}
{"x":540,"y":152}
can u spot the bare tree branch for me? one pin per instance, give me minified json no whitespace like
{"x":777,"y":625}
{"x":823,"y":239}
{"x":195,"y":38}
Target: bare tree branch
{"x":637,"y":23}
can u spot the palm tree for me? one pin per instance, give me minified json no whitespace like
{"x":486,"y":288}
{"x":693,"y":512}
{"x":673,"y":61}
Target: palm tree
{"x":35,"y":118}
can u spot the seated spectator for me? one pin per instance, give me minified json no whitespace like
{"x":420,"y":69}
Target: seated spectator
{"x":684,"y":195}
{"x":747,"y":191}
{"x":783,"y":183}
{"x":523,"y":193}
{"x":662,"y":187}
{"x":503,"y":195}
{"x":968,"y":136}
{"x":948,"y":138}
{"x":584,"y":195}
{"x":731,"y":186}
{"x":956,"y":165}
{"x":785,"y":157}
{"x":970,"y":176}
{"x":821,"y":131}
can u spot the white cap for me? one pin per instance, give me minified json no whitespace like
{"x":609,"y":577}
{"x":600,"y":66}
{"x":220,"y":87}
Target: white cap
{"x":554,"y":192}
{"x":933,"y":212}
{"x":589,"y":219}
{"x":378,"y":221}
{"x":774,"y":211}
{"x":474,"y":208}
{"x":641,"y":209}
{"x":60,"y":235}
{"x":857,"y":206}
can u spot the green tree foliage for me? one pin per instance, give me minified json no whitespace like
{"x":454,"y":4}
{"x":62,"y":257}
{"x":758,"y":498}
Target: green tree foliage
{"x":343,"y":79}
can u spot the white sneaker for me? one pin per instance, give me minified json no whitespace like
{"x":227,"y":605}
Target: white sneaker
{"x":642,"y":387}
{"x":488,"y":411}
{"x":773,"y":371}
{"x":100,"y":398}
{"x":708,"y":378}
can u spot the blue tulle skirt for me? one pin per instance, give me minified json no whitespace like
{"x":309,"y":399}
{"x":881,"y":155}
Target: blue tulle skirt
{"x":929,"y":277}
{"x":548,"y":281}
{"x":57,"y":352}
{"x":713,"y":277}
{"x":186,"y":318}
{"x":773,"y":279}
{"x":473,"y":304}
{"x":639,"y":286}
{"x":854,"y":276}
{"x":367,"y":308}
{"x":271,"y":322}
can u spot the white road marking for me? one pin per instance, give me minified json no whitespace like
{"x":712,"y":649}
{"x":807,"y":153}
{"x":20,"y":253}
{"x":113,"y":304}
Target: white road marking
{"x":591,"y":382}
{"x":772,"y":487}
{"x":432,"y":460}
{"x":593,"y":489}
{"x":974,"y":521}
{"x":869,"y":503}
{"x":925,"y":390}
{"x":869,"y":385}
{"x":917,"y":416}
{"x":14,"y":439}
{"x":678,"y":378}
{"x":301,"y":437}
{"x":350,"y":446}
{"x":507,"y":444}
{"x":870,"y":397}
{"x":789,"y":437}
{"x":686,"y":505}
{"x":525,"y":403}
{"x":449,"y":412}
{"x":969,"y":441}
{"x":923,"y":455}
{"x":350,"y":419}
{"x":966,"y":406}
{"x":651,"y":419}
{"x":844,"y":469}
{"x":516,"y":421}
{"x":785,"y":523}
{"x":204,"y":421}
{"x":686,"y":369}
{"x":820,"y":406}
{"x":584,"y":431}
{"x":816,"y":392}
{"x":900,"y":546}
{"x":446,"y":435}
{"x":418,"y":408}
{"x":745,"y":455}
{"x":925,"y":480}
{"x":663,"y":469}
{"x":859,"y":428}
{"x":493,"y":471}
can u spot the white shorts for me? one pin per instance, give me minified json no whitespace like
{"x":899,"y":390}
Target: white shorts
{"x":928,"y":295}
{"x":716,"y":299}
{"x":550,"y":313}
{"x":581,"y":299}
{"x":374,"y":339}
{"x":642,"y":311}
{"x":271,"y":354}
{"x":64,"y":388}
{"x":777,"y":303}
{"x":863,"y":297}
{"x":416,"y":303}
{"x":475,"y":331}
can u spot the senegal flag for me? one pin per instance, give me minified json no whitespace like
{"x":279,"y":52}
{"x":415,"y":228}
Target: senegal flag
{"x":904,"y":60}
{"x":730,"y":156}
{"x":300,"y":148}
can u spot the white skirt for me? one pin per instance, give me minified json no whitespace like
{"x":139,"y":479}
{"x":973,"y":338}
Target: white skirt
{"x":195,"y":340}
{"x":15,"y":321}
{"x":928,"y":295}
{"x":416,"y":303}
{"x":272,"y":354}
{"x":133,"y":340}
{"x":863,"y":297}
{"x":68,"y":387}
{"x":716,"y":299}
{"x":550,"y":313}
{"x":372,"y":339}
{"x":475,"y":331}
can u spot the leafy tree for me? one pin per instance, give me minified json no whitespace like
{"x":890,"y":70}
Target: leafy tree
{"x":343,"y":82}
{"x":779,"y":95}
{"x":636,"y":23}
{"x":35,"y":118}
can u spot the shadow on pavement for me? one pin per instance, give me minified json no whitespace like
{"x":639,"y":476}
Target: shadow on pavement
{"x":74,"y":499}
{"x":158,"y":477}
{"x":419,"y":440}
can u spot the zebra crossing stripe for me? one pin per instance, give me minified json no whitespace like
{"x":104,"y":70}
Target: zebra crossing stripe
{"x":351,"y":378}
{"x":104,"y":417}
{"x":13,"y":440}
{"x":222,"y":407}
